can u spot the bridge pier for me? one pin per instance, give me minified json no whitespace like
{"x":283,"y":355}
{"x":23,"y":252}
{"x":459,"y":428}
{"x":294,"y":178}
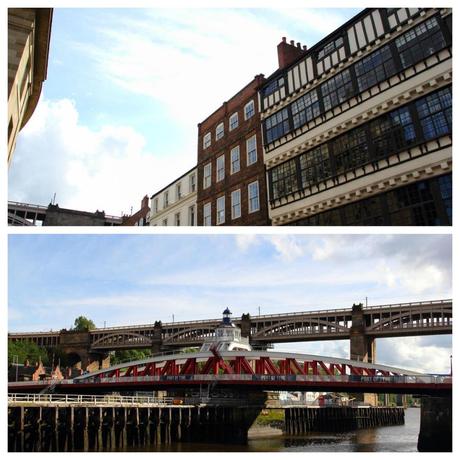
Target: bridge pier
{"x":362,"y":347}
{"x":435,"y":424}
{"x":88,"y":428}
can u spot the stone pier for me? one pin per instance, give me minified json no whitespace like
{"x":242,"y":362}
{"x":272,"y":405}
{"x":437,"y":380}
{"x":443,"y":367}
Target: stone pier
{"x":435,"y":424}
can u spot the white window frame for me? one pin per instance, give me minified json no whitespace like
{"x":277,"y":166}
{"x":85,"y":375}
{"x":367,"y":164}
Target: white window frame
{"x":233,"y":121}
{"x":220,"y":131}
{"x":207,"y":214}
{"x":177,"y":219}
{"x":250,"y":199}
{"x":250,"y":103}
{"x":248,"y":162}
{"x":155,"y":205}
{"x":220,"y":210}
{"x":232,"y":162}
{"x":166,"y":199}
{"x":178,"y":191}
{"x":206,"y":140}
{"x":236,"y":205}
{"x":191,"y":212}
{"x":165,"y":222}
{"x":220,"y":168}
{"x":192,"y":183}
{"x":207,"y":175}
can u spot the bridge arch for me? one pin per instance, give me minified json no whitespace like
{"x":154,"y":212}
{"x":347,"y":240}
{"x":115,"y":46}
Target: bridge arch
{"x":122,"y":340}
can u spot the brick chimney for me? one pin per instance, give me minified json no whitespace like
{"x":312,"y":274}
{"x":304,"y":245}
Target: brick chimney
{"x":289,"y":52}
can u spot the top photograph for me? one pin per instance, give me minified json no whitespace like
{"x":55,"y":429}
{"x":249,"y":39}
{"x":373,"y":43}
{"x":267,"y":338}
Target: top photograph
{"x":230,"y":117}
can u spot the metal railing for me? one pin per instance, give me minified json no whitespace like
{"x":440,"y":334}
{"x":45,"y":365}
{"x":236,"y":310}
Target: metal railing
{"x":96,"y":400}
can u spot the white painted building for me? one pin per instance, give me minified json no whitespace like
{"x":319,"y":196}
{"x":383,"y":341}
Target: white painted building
{"x":175,"y":204}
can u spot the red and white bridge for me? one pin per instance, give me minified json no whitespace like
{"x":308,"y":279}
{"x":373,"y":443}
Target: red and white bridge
{"x":252,"y":370}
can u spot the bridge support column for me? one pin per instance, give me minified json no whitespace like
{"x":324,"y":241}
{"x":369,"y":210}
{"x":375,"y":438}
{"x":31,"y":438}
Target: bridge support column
{"x":435,"y":424}
{"x":157,"y":340}
{"x":362,"y":347}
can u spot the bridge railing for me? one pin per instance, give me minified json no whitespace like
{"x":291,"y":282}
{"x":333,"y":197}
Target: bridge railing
{"x":97,"y":400}
{"x":380,"y":379}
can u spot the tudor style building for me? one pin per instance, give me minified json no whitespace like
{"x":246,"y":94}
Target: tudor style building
{"x":230,"y":169}
{"x":358,"y":130}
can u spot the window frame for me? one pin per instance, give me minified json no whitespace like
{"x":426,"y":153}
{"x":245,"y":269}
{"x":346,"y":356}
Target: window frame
{"x":253,"y":151}
{"x":251,"y":112}
{"x":220,"y":131}
{"x":207,"y":139}
{"x":206,"y":215}
{"x":232,"y":124}
{"x":207,"y":178}
{"x":220,"y":210}
{"x":220,"y":169}
{"x":250,"y":199}
{"x":236,"y":205}
{"x":233,"y":162}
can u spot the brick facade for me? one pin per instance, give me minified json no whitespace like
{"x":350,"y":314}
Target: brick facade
{"x":245,"y":130}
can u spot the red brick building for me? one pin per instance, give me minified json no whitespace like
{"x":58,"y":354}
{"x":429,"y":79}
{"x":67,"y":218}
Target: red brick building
{"x":231,"y":173}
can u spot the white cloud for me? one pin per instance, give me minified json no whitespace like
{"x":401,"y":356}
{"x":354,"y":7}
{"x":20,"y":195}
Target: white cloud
{"x":106,"y":169}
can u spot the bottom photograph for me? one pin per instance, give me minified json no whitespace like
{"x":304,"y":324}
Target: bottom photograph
{"x":229,"y":343}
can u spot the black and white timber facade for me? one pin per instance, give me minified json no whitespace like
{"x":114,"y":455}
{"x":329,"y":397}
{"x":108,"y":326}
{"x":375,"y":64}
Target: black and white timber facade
{"x":358,"y":129}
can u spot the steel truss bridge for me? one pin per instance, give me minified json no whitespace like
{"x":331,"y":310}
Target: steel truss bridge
{"x":393,"y":320}
{"x":246,"y":370}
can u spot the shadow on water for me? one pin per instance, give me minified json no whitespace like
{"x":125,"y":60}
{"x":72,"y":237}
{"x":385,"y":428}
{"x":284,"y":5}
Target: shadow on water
{"x":401,"y":438}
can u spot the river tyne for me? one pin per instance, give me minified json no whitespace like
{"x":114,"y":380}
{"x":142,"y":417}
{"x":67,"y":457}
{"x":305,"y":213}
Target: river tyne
{"x":400,"y":438}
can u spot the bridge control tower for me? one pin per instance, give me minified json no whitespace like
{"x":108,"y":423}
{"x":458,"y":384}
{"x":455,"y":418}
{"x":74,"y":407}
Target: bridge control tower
{"x":227,"y":337}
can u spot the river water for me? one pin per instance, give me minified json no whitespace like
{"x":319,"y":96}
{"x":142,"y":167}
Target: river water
{"x":401,"y":438}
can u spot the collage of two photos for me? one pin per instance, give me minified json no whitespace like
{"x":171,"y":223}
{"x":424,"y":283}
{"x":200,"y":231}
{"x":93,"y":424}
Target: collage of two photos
{"x":330,"y":333}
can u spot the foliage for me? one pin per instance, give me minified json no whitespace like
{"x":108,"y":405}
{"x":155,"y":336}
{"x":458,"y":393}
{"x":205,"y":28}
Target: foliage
{"x":83,"y":324}
{"x":270,"y":417}
{"x":22,"y":351}
{"x":129,"y":355}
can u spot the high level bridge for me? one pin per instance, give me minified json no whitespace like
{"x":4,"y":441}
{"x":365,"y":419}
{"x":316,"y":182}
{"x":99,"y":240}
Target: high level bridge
{"x":359,"y":324}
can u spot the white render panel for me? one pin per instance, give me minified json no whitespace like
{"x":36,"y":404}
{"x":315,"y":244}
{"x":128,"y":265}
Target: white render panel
{"x":320,"y":67}
{"x":310,"y":72}
{"x":378,"y":23}
{"x":303,"y":73}
{"x":290,"y":82}
{"x":402,"y":14}
{"x":295,"y":72}
{"x":392,"y":21}
{"x":413,"y":11}
{"x":342,"y":53}
{"x":282,"y":92}
{"x":369,"y":28}
{"x":351,"y":40}
{"x":360,"y":33}
{"x":335,"y":58}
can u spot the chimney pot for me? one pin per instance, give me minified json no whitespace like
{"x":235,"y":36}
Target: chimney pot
{"x":298,"y":45}
{"x":292,"y":42}
{"x":304,"y":47}
{"x":284,"y":39}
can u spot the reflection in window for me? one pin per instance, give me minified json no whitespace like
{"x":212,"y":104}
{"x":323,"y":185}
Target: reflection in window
{"x":337,"y":89}
{"x":420,"y":42}
{"x":305,"y":109}
{"x":315,"y":166}
{"x":435,"y":113}
{"x":375,"y":68}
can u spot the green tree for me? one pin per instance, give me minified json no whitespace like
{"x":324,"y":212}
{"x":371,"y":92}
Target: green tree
{"x":83,"y":324}
{"x":19,"y":351}
{"x":129,"y":355}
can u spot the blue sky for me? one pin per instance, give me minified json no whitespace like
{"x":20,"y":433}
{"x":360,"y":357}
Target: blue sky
{"x":126,"y":89}
{"x":138,"y":279}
